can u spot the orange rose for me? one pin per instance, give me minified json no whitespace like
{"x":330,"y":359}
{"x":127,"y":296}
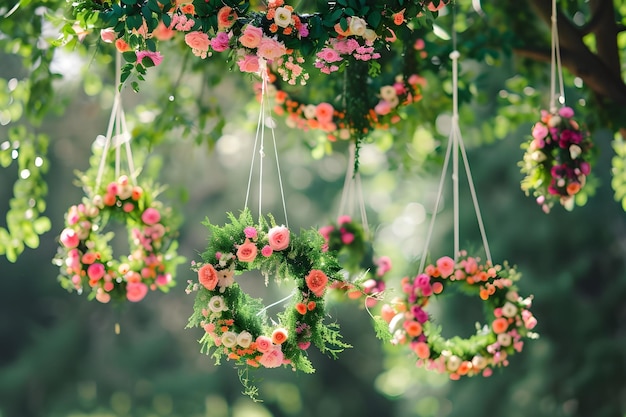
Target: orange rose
{"x":247,"y":252}
{"x":279,"y":336}
{"x":226,"y":18}
{"x":207,"y":275}
{"x":316,"y":281}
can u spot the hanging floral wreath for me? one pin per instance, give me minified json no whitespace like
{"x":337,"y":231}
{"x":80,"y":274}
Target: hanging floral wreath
{"x":366,"y":272}
{"x":236,"y":325}
{"x":85,"y":256}
{"x":558,"y":160}
{"x":276,"y":32}
{"x":508,"y":316}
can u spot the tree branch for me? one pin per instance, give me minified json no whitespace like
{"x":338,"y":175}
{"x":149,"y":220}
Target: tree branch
{"x":599,"y":75}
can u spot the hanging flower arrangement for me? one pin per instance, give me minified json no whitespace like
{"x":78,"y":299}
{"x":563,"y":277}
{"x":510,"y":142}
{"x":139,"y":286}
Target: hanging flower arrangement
{"x":236,"y":326}
{"x":246,"y":33}
{"x":557,"y":160}
{"x":508,"y":320}
{"x":85,"y":255}
{"x":366,"y":272}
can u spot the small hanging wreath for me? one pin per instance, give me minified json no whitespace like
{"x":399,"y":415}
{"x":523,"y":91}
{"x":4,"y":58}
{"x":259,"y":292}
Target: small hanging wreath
{"x":236,"y":325}
{"x":557,"y":161}
{"x":507,"y":314}
{"x":85,"y":256}
{"x":355,"y":255}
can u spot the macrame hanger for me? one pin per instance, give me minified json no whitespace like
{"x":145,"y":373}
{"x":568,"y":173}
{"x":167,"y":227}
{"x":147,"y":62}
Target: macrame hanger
{"x":556,"y":98}
{"x":353,"y":191}
{"x":455,"y":144}
{"x":265,"y":120}
{"x":117,"y":124}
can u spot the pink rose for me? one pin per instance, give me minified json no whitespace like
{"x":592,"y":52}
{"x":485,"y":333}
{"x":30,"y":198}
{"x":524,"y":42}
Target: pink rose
{"x":445,"y":264}
{"x":251,"y":36}
{"x":155,"y":57}
{"x":220,"y":42}
{"x":304,"y":345}
{"x":267,"y":251}
{"x":383,"y":107}
{"x":108,"y":35}
{"x":326,"y":230}
{"x":566,"y":112}
{"x":270,"y":49}
{"x":69,"y":238}
{"x":347,"y":238}
{"x":250,"y":232}
{"x":95,"y":271}
{"x":384,"y":265}
{"x":248,"y":63}
{"x":263,"y":344}
{"x":136,"y":291}
{"x":198,"y":40}
{"x":278,"y":237}
{"x":539,"y":131}
{"x":324,"y":113}
{"x":163,"y":279}
{"x":103,"y":296}
{"x":272,"y":358}
{"x":151,"y":216}
{"x":344,"y":219}
{"x":329,"y":55}
{"x":162,"y":32}
{"x":247,"y":251}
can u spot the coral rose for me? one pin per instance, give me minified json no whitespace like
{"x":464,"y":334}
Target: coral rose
{"x":136,"y":291}
{"x":251,"y":36}
{"x":247,"y":251}
{"x":207,"y":276}
{"x":316,"y":280}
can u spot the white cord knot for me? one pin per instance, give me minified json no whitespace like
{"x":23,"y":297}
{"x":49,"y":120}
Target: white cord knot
{"x":455,"y":55}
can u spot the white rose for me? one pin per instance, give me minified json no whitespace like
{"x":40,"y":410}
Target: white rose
{"x":357,"y":26}
{"x":509,"y":309}
{"x":282,"y":17}
{"x":125,"y":191}
{"x":344,"y":134}
{"x":479,"y":362}
{"x":453,"y":363}
{"x":554,"y":121}
{"x":216,"y":304}
{"x":387,"y":92}
{"x":504,"y":339}
{"x":244,"y":339}
{"x":538,"y":156}
{"x":309,"y":111}
{"x":575,"y":151}
{"x":226,"y":278}
{"x":370,"y":35}
{"x":229,"y":339}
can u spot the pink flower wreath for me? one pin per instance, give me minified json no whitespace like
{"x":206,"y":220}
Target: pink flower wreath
{"x":509,"y":320}
{"x":86,"y":259}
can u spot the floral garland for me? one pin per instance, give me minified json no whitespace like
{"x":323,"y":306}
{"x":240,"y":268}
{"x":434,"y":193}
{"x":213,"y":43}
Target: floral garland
{"x":354,"y":253}
{"x":510,"y":320}
{"x":235,"y":324}
{"x":557,"y":160}
{"x":86,"y":259}
{"x":275,"y":32}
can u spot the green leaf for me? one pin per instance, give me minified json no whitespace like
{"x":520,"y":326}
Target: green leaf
{"x":42,"y":225}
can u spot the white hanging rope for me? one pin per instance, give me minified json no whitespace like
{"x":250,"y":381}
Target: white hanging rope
{"x":117,"y":122}
{"x":455,"y":144}
{"x":556,"y":98}
{"x":353,"y":192}
{"x":265,"y":120}
{"x":264,"y":309}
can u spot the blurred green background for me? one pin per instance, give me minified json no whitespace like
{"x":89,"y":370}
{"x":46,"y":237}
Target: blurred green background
{"x":60,"y":356}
